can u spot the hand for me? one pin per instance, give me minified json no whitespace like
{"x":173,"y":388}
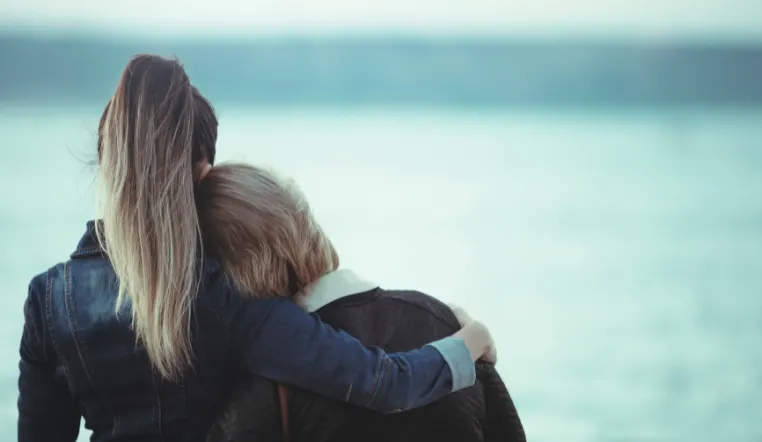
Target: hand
{"x":489,"y":354}
{"x":461,"y":315}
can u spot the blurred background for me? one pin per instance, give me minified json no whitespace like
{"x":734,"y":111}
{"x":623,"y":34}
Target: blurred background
{"x":585,"y":176}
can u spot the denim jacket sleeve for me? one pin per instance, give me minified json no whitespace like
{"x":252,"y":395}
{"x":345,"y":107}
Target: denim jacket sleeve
{"x":279,"y":341}
{"x":46,"y":410}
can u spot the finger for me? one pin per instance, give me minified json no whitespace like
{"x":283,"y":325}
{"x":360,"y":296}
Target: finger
{"x":461,"y":315}
{"x":490,"y":356}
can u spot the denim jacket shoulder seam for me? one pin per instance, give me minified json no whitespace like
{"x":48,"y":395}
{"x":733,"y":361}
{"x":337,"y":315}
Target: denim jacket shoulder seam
{"x":49,"y":319}
{"x":73,"y":328}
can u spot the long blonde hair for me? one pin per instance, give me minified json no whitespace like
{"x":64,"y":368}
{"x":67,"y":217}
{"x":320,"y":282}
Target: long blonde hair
{"x":153,"y":132}
{"x":260,"y":227}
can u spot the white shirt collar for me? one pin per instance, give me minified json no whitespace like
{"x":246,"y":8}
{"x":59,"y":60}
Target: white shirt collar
{"x":331,"y":287}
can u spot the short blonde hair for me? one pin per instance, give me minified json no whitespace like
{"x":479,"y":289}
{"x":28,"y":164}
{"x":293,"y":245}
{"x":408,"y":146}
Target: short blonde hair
{"x":260,"y":227}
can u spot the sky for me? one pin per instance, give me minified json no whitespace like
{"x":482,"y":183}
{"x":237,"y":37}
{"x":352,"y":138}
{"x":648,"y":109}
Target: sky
{"x":642,"y":19}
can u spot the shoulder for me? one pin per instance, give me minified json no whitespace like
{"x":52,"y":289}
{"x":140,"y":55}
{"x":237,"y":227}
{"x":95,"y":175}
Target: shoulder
{"x":39,"y":282}
{"x":217,"y":292}
{"x":40,"y":285}
{"x":425,"y":303}
{"x":219,"y":303}
{"x":35,"y":304}
{"x":35,"y":298}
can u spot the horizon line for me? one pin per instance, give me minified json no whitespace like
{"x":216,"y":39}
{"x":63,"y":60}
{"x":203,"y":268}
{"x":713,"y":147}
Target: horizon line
{"x":210,"y":36}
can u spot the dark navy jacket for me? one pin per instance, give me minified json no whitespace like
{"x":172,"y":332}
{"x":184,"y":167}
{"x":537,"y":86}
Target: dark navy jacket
{"x":79,"y":359}
{"x":395,"y":320}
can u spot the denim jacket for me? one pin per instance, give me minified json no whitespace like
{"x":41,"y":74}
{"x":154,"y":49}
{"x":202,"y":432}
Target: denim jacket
{"x":79,"y":359}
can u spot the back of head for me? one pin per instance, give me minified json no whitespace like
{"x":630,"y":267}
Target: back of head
{"x":154,"y":132}
{"x":261,"y":229}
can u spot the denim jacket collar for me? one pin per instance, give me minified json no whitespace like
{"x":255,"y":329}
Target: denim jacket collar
{"x":88,"y":244}
{"x":329,"y":288}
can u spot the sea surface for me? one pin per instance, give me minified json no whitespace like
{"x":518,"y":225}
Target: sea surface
{"x":616,"y":254}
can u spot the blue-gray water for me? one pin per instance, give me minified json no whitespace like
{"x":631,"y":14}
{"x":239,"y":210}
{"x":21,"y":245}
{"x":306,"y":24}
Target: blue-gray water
{"x":616,"y":255}
{"x":386,"y":70}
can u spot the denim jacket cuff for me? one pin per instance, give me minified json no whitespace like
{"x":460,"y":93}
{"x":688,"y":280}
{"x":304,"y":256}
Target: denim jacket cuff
{"x":458,"y":359}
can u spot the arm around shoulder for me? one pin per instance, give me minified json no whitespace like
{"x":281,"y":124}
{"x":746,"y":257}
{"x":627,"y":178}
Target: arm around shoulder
{"x":278,"y":340}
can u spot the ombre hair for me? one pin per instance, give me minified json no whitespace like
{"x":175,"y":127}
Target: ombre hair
{"x":260,"y":227}
{"x":153,"y":133}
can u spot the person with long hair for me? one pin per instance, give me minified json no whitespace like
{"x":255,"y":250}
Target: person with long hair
{"x":259,"y":225}
{"x":141,"y":333}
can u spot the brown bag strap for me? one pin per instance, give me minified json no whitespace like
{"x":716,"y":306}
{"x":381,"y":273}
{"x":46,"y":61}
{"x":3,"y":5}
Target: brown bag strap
{"x":283,"y":396}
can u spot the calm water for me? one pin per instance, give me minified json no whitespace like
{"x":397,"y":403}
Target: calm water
{"x":616,"y":256}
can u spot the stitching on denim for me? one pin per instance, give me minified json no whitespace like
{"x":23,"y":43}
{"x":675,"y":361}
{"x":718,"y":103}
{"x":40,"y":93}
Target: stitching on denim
{"x":387,"y":364}
{"x":177,"y":390}
{"x":183,"y":401}
{"x":86,"y":252}
{"x":158,"y":414}
{"x":376,"y":374}
{"x":49,"y":316}
{"x":72,"y":326}
{"x":380,"y":379}
{"x":349,"y":393}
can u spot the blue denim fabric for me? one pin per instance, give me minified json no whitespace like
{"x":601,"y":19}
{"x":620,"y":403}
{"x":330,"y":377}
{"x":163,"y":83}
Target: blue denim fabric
{"x":458,"y":359}
{"x":78,"y":358}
